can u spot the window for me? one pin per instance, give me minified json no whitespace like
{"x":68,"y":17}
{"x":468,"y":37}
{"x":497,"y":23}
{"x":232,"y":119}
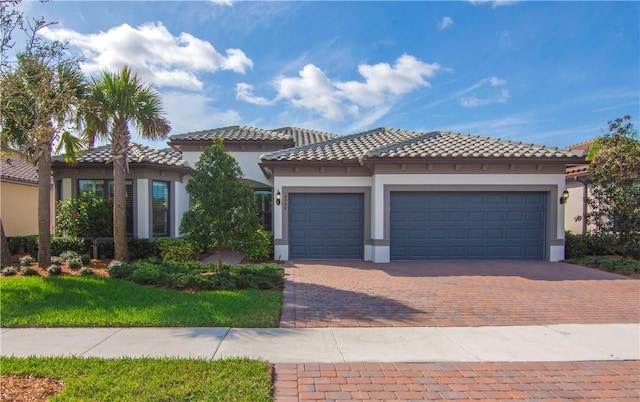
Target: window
{"x":160,"y":208}
{"x":104,"y":188}
{"x":265,"y":204}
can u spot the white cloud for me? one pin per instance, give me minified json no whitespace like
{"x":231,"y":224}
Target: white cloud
{"x":366,"y":100}
{"x":222,"y":2}
{"x":487,"y":95}
{"x":189,"y":111}
{"x":244,"y":92}
{"x":159,"y":57}
{"x":494,"y":3}
{"x":445,"y":23}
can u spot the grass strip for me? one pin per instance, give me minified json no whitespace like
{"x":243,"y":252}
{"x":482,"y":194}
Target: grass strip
{"x":106,"y":302}
{"x":149,"y":379}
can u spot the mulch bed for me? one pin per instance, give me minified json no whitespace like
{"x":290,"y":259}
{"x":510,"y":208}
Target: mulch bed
{"x":28,"y":389}
{"x":99,"y":268}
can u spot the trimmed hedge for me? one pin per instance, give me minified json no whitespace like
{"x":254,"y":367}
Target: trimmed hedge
{"x":197,"y":276}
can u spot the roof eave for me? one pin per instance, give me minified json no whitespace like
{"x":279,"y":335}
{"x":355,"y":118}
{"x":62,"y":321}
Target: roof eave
{"x":558,"y":160}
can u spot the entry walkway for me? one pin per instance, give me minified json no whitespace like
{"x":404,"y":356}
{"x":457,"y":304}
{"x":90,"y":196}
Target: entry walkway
{"x":564,"y":342}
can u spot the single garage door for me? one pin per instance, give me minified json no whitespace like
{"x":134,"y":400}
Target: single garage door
{"x":467,"y":225}
{"x":326,"y":226}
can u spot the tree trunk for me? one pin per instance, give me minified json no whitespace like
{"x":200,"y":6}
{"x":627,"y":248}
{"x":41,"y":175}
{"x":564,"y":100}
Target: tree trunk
{"x":44,"y":208}
{"x":219,"y":252}
{"x":5,"y":253}
{"x":120,"y":147}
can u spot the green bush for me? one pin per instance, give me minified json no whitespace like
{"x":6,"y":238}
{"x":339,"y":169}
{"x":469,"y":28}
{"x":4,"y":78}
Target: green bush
{"x":193,"y":275}
{"x":27,"y":260}
{"x":142,"y":248}
{"x":106,"y":249}
{"x":260,"y":247}
{"x":85,"y":258}
{"x":74,"y":263}
{"x":54,"y":269}
{"x":85,"y":271}
{"x":178,"y":250}
{"x":68,"y":255}
{"x":57,"y":260}
{"x":120,"y":270}
{"x":29,"y":271}
{"x":9,"y":271}
{"x":575,"y":245}
{"x":23,"y":244}
{"x":61,"y":244}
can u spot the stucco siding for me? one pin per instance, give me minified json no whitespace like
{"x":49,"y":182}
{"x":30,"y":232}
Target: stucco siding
{"x":19,"y":209}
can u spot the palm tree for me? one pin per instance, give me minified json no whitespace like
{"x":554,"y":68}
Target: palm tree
{"x":117,"y":100}
{"x":42,"y":97}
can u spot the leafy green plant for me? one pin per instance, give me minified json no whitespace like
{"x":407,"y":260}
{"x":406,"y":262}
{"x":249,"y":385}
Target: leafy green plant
{"x":61,"y":244}
{"x":74,"y":262}
{"x":142,"y":248}
{"x":57,"y":260}
{"x":576,"y":245}
{"x":68,"y":255}
{"x":29,"y":271}
{"x":260,"y":247}
{"x":27,"y":260}
{"x":23,"y":244}
{"x":85,"y":271}
{"x":85,"y":258}
{"x":54,"y":270}
{"x":9,"y":271}
{"x":178,"y":250}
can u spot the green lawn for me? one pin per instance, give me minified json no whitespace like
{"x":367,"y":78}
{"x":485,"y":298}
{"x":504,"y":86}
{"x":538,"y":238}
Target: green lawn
{"x":149,"y":379}
{"x":73,"y":301}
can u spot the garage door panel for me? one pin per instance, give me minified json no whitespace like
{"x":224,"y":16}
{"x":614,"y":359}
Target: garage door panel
{"x":466,"y":225}
{"x":326,"y":226}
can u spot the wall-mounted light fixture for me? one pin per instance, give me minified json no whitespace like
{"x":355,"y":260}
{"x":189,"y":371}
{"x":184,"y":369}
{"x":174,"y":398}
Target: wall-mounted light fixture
{"x":564,"y":197}
{"x":278,"y":197}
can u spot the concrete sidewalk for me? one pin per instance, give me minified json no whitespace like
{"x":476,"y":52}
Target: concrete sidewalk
{"x":565,"y":342}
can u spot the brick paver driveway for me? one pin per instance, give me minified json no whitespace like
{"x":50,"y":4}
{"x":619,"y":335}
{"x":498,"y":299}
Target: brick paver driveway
{"x":606,"y":380}
{"x":445,"y":293}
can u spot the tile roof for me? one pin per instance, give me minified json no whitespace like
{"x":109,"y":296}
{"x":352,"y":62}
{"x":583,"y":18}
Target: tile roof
{"x":303,"y":136}
{"x":582,"y":146}
{"x":393,"y":143}
{"x":17,"y":169}
{"x":579,"y":170}
{"x":137,"y":154}
{"x":440,"y":144}
{"x":232,"y":133}
{"x":344,"y":147}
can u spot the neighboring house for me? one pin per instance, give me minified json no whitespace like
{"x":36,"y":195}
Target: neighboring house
{"x":156,"y":195}
{"x":579,"y":191}
{"x":19,"y":196}
{"x":386,"y":194}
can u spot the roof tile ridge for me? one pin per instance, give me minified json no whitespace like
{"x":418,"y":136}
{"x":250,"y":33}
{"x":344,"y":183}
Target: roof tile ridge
{"x":208,"y":130}
{"x":419,"y":135}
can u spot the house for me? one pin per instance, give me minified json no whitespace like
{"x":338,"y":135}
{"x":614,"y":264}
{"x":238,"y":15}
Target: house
{"x":576,"y":206}
{"x":19,"y":196}
{"x":380,"y":195}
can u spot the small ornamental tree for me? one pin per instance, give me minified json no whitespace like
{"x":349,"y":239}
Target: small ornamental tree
{"x":85,"y":216}
{"x":614,"y":200}
{"x":223,"y":210}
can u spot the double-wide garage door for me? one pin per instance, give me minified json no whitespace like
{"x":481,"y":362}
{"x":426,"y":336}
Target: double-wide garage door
{"x":467,"y":225}
{"x":326,"y":226}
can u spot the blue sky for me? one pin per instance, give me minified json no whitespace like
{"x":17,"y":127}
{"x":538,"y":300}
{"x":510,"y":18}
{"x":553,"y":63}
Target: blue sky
{"x":544,"y":72}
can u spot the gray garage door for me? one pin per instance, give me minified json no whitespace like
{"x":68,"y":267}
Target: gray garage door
{"x":326,"y":226}
{"x":467,"y":225}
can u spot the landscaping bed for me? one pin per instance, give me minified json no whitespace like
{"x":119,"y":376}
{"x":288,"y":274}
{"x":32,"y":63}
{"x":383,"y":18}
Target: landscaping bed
{"x":94,"y":379}
{"x":614,"y":264}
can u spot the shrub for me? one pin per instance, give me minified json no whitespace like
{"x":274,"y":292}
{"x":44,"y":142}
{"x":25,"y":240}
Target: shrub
{"x":85,"y":271}
{"x":54,"y":269}
{"x":68,"y":255}
{"x":29,"y":271}
{"x":57,"y":260}
{"x":575,"y":245}
{"x":142,"y":248}
{"x":178,"y":250}
{"x":9,"y":271}
{"x":121,"y":270}
{"x":77,"y":244}
{"x":85,"y":258}
{"x":23,"y":244}
{"x":261,"y":276}
{"x":105,"y":249}
{"x":74,"y":262}
{"x":27,"y":260}
{"x":260,"y":247}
